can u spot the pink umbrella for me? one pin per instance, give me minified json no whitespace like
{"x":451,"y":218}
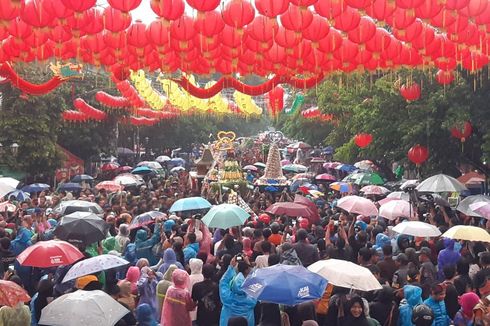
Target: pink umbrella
{"x":289,"y":209}
{"x":285,"y":162}
{"x":357,"y":205}
{"x":250,"y":168}
{"x":325,"y":177}
{"x":482,"y":208}
{"x":396,"y":208}
{"x":331,"y":165}
{"x":374,"y":190}
{"x":110,"y":186}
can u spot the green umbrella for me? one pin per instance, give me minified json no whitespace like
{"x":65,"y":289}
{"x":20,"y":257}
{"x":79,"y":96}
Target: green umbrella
{"x":364,"y":178}
{"x":225,"y":216}
{"x":297,"y":168}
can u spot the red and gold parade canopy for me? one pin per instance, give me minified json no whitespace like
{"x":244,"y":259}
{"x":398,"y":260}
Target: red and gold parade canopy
{"x":297,"y":42}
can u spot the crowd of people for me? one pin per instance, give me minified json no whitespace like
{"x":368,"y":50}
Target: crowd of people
{"x":181,"y":273}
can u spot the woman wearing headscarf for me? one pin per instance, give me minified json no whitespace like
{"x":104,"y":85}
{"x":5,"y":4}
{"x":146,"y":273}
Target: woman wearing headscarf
{"x":169,"y":258}
{"x":464,"y":317}
{"x":144,"y":315}
{"x":164,"y":285}
{"x":354,"y":313}
{"x":196,"y":276}
{"x":178,"y":302}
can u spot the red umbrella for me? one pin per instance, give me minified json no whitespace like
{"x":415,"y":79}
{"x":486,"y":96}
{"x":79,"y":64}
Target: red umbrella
{"x":325,"y":177}
{"x":124,"y":169}
{"x":49,"y":254}
{"x":315,"y":217}
{"x":11,"y":294}
{"x":290,"y":209}
{"x":109,"y":167}
{"x":110,"y":186}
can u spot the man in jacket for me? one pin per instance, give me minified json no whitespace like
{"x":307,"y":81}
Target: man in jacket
{"x":306,"y":252}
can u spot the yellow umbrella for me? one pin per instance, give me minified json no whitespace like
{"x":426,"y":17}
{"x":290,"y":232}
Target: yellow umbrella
{"x":467,"y":232}
{"x":315,"y":193}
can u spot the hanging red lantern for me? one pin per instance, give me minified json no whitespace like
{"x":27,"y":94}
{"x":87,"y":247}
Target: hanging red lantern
{"x":358,"y":4}
{"x":79,"y":5}
{"x":271,"y":8}
{"x":381,"y":9}
{"x":330,"y":8}
{"x":232,"y":37}
{"x":209,"y":24}
{"x":262,"y":29}
{"x":410,"y":92}
{"x":116,"y":20}
{"x":347,"y":20}
{"x":92,"y":21}
{"x":462,"y":134}
{"x":418,"y":154}
{"x":428,"y":9}
{"x":238,"y":13}
{"x":364,"y":31}
{"x":363,"y":140}
{"x":474,"y":8}
{"x":182,"y":29}
{"x":124,"y":5}
{"x":379,"y":42}
{"x":286,"y":38}
{"x":401,"y":18}
{"x":444,"y":77}
{"x":9,"y":9}
{"x":33,"y":13}
{"x":137,"y":34}
{"x":158,"y":33}
{"x":168,"y":9}
{"x":296,"y":19}
{"x":317,"y":30}
{"x":331,"y":42}
{"x":204,"y":5}
{"x":409,"y":4}
{"x":276,"y":100}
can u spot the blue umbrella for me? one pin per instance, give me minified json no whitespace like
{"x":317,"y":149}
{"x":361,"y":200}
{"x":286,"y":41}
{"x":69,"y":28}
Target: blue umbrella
{"x":70,"y":186}
{"x":19,"y":195}
{"x":81,"y":177}
{"x":284,"y":284}
{"x":189,"y":204}
{"x":347,"y":168}
{"x":176,"y":161}
{"x":142,"y":170}
{"x":35,"y":187}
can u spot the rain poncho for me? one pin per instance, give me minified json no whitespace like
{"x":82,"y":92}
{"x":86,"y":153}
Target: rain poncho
{"x":195,"y":277}
{"x":447,"y":256}
{"x":413,"y":297}
{"x":381,"y":241}
{"x":144,"y":315}
{"x":178,"y":302}
{"x":18,"y":245}
{"x":235,"y":301}
{"x":164,"y":285}
{"x":132,"y":276}
{"x":108,"y":244}
{"x":122,"y":239}
{"x":144,"y":245}
{"x":190,"y":251}
{"x":18,"y":316}
{"x":440,"y":314}
{"x":169,"y":258}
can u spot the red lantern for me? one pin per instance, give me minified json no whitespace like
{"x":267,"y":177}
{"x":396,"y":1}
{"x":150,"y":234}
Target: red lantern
{"x":347,"y":20}
{"x":92,"y":21}
{"x":474,"y":8}
{"x":418,"y":154}
{"x":124,"y":5}
{"x":358,"y":4}
{"x":364,"y":32}
{"x":262,"y":29}
{"x":238,"y":13}
{"x":330,"y":8}
{"x":34,"y":14}
{"x":137,"y":35}
{"x":444,"y":77}
{"x":428,"y":9}
{"x":116,"y":20}
{"x":271,"y":8}
{"x":232,"y":37}
{"x":331,"y":42}
{"x":168,"y":9}
{"x":183,"y":28}
{"x":276,"y":100}
{"x":287,"y":38}
{"x":209,"y":24}
{"x":410,"y":92}
{"x":317,"y":30}
{"x":381,"y":9}
{"x":79,"y":5}
{"x":158,"y":33}
{"x":463,"y":134}
{"x":363,"y":140}
{"x":409,"y":4}
{"x":9,"y":9}
{"x":204,"y":5}
{"x":296,"y":18}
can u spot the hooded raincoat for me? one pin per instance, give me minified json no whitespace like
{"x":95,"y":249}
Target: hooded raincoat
{"x":144,"y":245}
{"x":195,"y":277}
{"x":132,"y":276}
{"x":235,"y":301}
{"x":413,"y":297}
{"x":447,"y":256}
{"x":169,"y":258}
{"x":178,"y":302}
{"x":147,"y":288}
{"x":164,"y":285}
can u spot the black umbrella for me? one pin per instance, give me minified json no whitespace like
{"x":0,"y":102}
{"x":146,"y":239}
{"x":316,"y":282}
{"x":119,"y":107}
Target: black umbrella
{"x":81,"y":228}
{"x":81,"y":177}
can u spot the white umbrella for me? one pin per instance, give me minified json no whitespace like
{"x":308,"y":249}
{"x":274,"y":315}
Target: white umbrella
{"x":7,"y":185}
{"x":468,"y":233}
{"x":83,"y":308}
{"x":482,"y":208}
{"x":417,"y":229}
{"x":441,"y":183}
{"x":358,"y":205}
{"x":465,"y":205}
{"x":94,"y":265}
{"x":395,"y":209}
{"x":177,"y":169}
{"x":399,"y":195}
{"x":374,"y":190}
{"x":346,"y":274}
{"x":70,"y":206}
{"x":409,"y":184}
{"x":151,"y":164}
{"x":162,"y":159}
{"x":128,"y":180}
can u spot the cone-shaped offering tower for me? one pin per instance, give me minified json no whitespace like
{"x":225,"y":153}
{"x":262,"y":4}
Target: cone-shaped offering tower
{"x":273,"y":172}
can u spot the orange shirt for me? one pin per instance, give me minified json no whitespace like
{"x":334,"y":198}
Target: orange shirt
{"x":276,"y":239}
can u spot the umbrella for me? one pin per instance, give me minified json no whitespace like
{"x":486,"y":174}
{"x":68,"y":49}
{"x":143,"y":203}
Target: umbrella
{"x":121,"y":151}
{"x":70,"y":206}
{"x":81,"y":178}
{"x":145,"y":219}
{"x":70,"y":186}
{"x":189,"y":204}
{"x":35,"y":187}
{"x":374,"y":190}
{"x":250,"y":168}
{"x":81,"y":227}
{"x":19,"y":195}
{"x":298,"y":145}
{"x":315,"y":193}
{"x":162,"y":159}
{"x":177,"y":161}
{"x":109,"y":167}
{"x":396,"y":208}
{"x":124,"y":169}
{"x":399,"y":195}
{"x":482,"y":208}
{"x":129,"y":180}
{"x":225,"y":216}
{"x":294,"y":168}
{"x":346,"y":274}
{"x":357,"y":205}
{"x":364,"y":165}
{"x":436,"y":198}
{"x":50,"y":253}
{"x":142,"y":170}
{"x":82,"y":308}
{"x":365,"y":178}
{"x":409,"y":184}
{"x":259,"y":165}
{"x":285,"y":162}
{"x":342,"y":187}
{"x":7,"y":185}
{"x":11,"y":294}
{"x":441,"y":183}
{"x":177,"y":169}
{"x":284,"y":284}
{"x":417,"y":229}
{"x":464,"y":205}
{"x":331,"y":165}
{"x":346,"y":168}
{"x":325,"y":177}
{"x":289,"y":209}
{"x":110,"y":186}
{"x":306,"y":176}
{"x":94,"y":265}
{"x":10,"y":207}
{"x":151,"y":164}
{"x":468,"y":233}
